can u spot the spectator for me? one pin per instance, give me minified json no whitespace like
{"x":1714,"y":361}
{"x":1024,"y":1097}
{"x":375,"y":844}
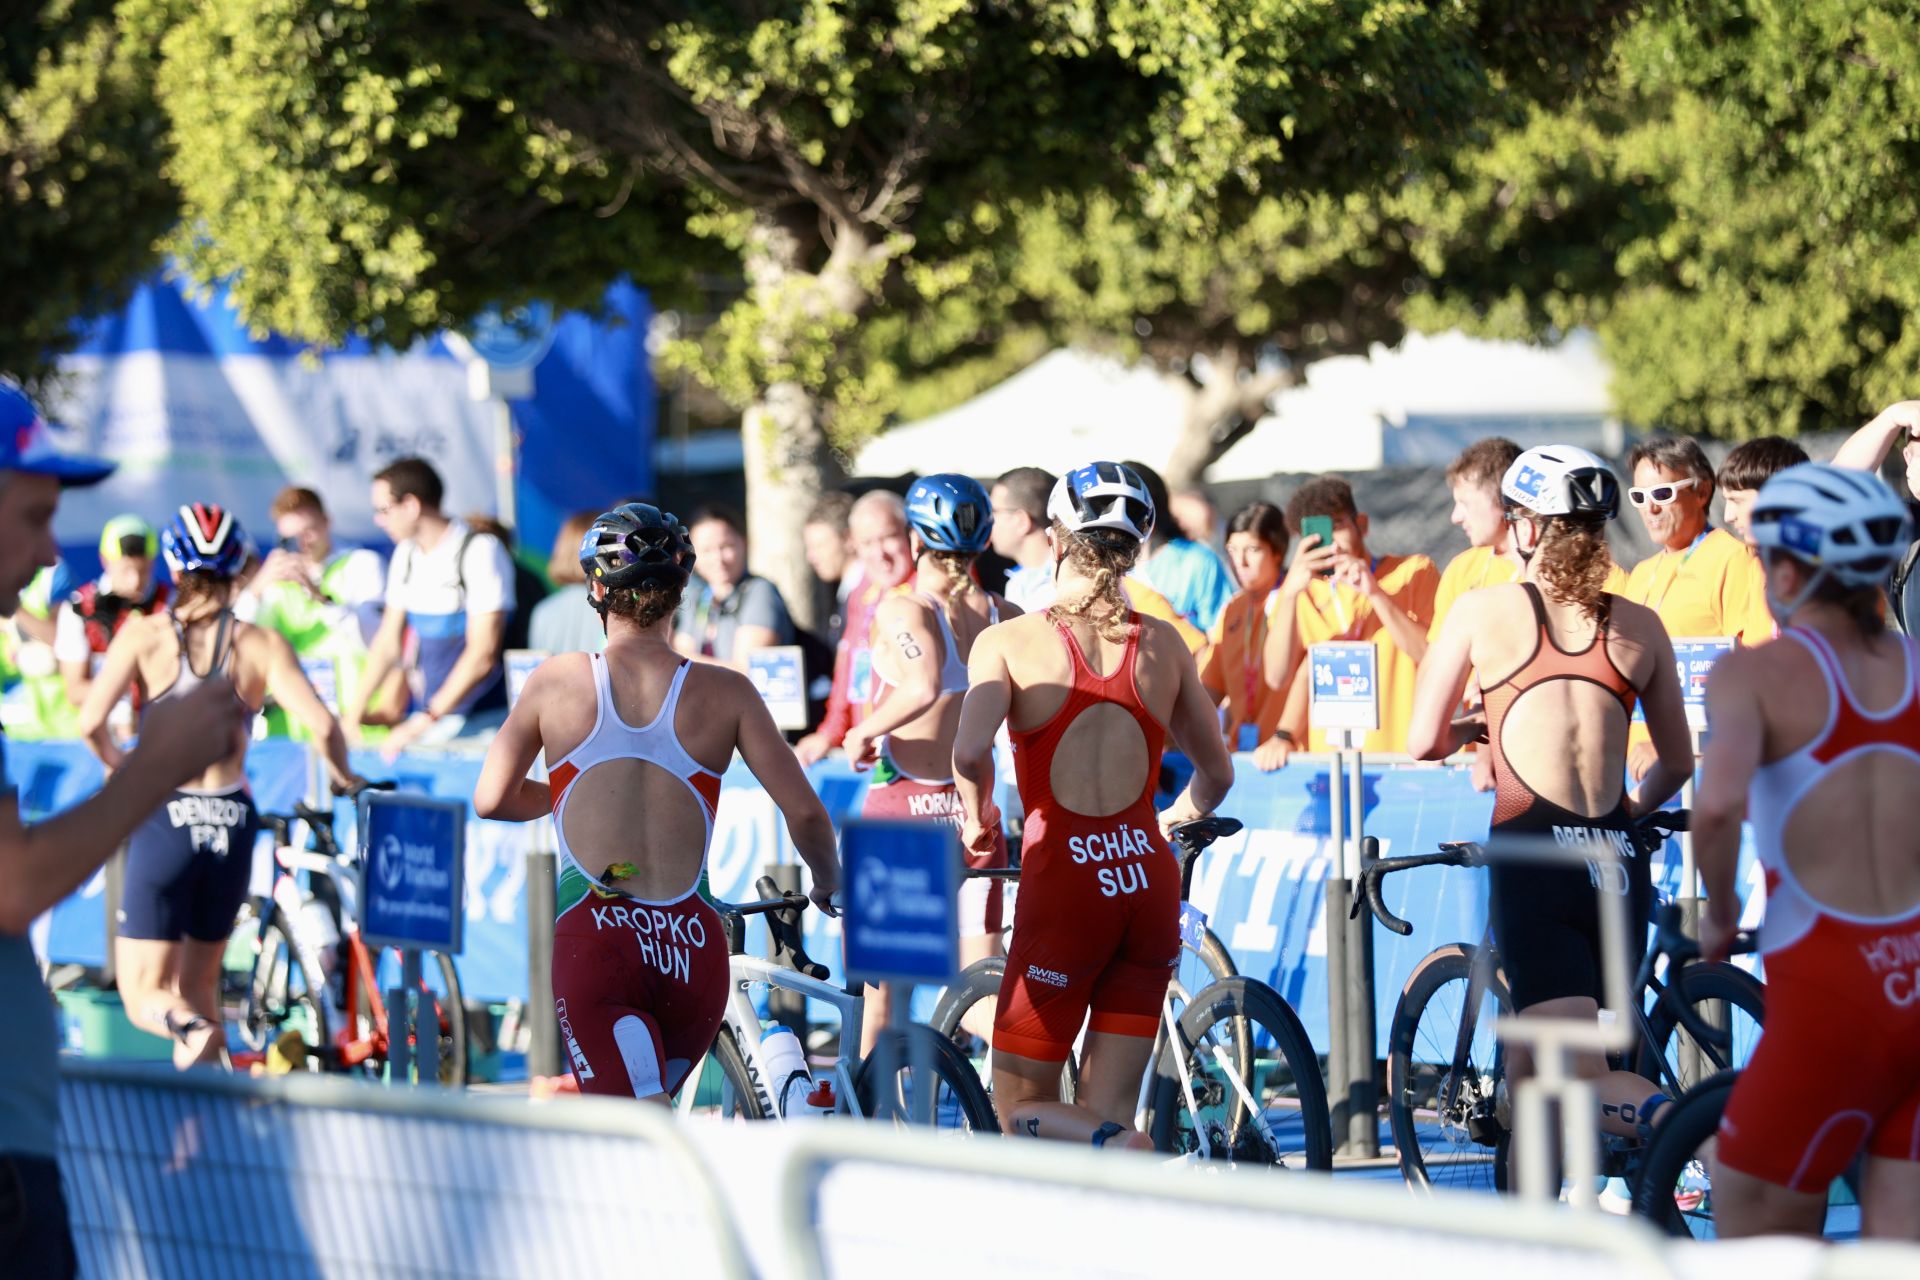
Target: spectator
{"x":325,"y":600}
{"x":1702,"y":581}
{"x":33,"y":702}
{"x":728,"y":612}
{"x":1199,"y":520}
{"x":94,"y":614}
{"x":1020,"y":534}
{"x":829,"y":547}
{"x":529,"y":588}
{"x":1350,"y":594}
{"x":452,"y":587}
{"x":878,"y":524}
{"x":1186,"y":572}
{"x":43,"y":862}
{"x":1747,"y":467}
{"x":1474,"y":478}
{"x":565,"y":621}
{"x":1020,"y":500}
{"x":1865,"y":450}
{"x":1256,"y":548}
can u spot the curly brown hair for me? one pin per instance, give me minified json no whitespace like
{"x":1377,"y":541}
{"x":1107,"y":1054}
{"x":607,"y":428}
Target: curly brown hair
{"x":644,"y":605}
{"x":1105,"y":556}
{"x":197,"y":596}
{"x":1572,"y":563}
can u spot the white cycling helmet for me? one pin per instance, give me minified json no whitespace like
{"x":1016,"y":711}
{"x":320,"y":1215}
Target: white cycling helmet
{"x":1102,"y":495}
{"x":1847,"y":523}
{"x":1562,"y":480}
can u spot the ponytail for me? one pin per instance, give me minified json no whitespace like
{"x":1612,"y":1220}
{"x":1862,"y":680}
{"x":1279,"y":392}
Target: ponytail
{"x":1104,"y":556}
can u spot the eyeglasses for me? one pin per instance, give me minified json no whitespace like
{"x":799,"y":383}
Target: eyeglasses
{"x":1660,"y":493}
{"x":382,"y":510}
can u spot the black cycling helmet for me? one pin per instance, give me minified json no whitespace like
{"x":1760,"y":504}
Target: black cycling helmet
{"x":637,"y":546}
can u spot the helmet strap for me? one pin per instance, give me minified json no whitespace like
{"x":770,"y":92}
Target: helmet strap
{"x":1785,"y":609}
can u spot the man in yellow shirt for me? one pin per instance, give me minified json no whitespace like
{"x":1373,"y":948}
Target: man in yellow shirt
{"x":1474,"y":478}
{"x":1387,"y":600}
{"x":1702,"y":581}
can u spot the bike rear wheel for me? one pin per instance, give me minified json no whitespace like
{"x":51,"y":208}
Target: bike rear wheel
{"x":1287,"y":1124}
{"x":1444,"y":1106}
{"x":1675,"y":1187}
{"x":960,"y":1101}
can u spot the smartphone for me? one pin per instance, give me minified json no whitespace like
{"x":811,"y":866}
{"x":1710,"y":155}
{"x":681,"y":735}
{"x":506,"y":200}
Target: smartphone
{"x":1317,"y":527}
{"x":289,"y":544}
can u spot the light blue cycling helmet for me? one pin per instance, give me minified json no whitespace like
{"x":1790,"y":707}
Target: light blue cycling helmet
{"x":950,"y":513}
{"x":204,"y":538}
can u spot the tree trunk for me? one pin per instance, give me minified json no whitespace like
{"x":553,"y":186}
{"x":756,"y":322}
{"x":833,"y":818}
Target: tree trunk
{"x":789,"y":465}
{"x":1220,"y":413}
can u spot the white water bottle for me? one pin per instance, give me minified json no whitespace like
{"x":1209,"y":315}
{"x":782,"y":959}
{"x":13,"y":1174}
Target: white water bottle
{"x":788,"y":1081}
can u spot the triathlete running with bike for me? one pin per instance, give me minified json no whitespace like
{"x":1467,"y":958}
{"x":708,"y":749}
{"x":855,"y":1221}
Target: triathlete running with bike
{"x":1816,"y":740}
{"x":189,"y":863}
{"x":1089,"y":690}
{"x":1561,"y":662}
{"x":636,"y":739}
{"x":922,"y":635}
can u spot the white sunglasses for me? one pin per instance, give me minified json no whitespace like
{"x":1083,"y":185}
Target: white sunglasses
{"x":1660,"y":493}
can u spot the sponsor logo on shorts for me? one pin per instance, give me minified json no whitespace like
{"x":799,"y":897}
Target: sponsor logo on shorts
{"x":581,"y":1071}
{"x":1048,"y":977}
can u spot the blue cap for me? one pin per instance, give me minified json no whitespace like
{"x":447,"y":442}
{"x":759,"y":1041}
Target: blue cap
{"x":26,"y":444}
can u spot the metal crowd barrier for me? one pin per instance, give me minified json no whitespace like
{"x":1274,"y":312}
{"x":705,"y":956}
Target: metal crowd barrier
{"x":204,"y":1175}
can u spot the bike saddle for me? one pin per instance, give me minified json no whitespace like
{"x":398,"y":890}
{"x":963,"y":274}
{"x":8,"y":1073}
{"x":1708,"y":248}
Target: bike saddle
{"x":1201,"y":832}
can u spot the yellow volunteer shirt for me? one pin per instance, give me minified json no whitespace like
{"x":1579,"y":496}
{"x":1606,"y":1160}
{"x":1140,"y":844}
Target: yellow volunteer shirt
{"x":1472,"y":569}
{"x":1325,"y":612}
{"x":1713,"y":588}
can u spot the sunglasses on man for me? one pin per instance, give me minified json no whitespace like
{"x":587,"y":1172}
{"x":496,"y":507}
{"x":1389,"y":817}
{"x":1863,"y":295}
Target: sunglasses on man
{"x":1660,"y":493}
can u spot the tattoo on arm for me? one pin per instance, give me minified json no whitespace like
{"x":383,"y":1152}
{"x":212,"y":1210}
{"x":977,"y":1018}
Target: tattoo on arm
{"x":909,"y":645}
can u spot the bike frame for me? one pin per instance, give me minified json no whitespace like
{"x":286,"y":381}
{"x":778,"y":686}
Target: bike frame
{"x":744,"y":1021}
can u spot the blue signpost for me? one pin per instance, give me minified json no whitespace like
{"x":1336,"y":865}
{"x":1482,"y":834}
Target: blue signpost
{"x":902,"y":926}
{"x":412,"y":897}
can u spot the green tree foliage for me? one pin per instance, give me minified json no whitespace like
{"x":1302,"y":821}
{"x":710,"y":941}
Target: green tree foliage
{"x":82,"y":199}
{"x":1735,"y":209}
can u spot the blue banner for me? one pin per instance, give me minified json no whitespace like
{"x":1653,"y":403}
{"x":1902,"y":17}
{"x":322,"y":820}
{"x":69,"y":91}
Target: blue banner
{"x":1263,"y":890}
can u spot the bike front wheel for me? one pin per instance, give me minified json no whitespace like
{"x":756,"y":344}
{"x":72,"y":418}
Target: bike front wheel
{"x":1269,"y":1107}
{"x":723,"y":1086}
{"x":1732,"y":1004}
{"x":1446,"y":1076}
{"x":281,"y":999}
{"x":885,"y":1082}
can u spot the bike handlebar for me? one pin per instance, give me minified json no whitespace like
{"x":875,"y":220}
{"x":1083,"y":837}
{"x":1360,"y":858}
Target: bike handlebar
{"x":1466,"y":853}
{"x":782,"y":911}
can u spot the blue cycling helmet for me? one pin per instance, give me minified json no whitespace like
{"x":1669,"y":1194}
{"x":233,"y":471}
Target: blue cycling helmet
{"x":950,"y":513}
{"x":204,"y":538}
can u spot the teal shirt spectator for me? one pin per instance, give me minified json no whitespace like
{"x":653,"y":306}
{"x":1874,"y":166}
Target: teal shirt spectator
{"x":1193,"y":580}
{"x":30,"y":1063}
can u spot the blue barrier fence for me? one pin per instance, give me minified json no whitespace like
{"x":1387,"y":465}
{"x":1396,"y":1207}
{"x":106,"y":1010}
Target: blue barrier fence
{"x":1263,"y":890}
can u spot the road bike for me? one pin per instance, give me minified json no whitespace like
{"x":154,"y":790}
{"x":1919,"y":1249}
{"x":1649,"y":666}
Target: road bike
{"x":314,"y":976}
{"x":733,"y":1081}
{"x":1447,"y":1103}
{"x":1233,"y":1075}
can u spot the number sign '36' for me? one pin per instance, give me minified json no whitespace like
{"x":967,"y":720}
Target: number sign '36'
{"x":1346,"y":686}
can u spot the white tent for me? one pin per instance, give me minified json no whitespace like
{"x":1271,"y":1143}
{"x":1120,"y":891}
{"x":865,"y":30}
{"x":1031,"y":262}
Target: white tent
{"x":1414,"y":405}
{"x":1059,"y":412}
